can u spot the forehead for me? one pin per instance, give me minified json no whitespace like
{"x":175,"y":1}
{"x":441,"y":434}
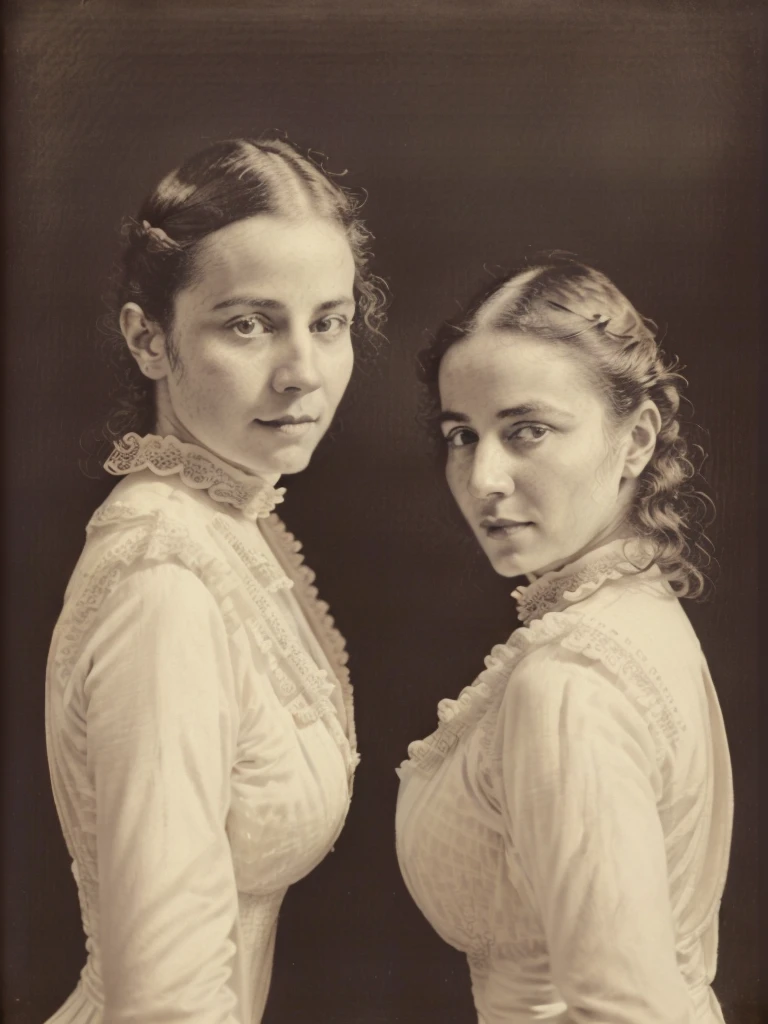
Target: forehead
{"x":493,"y":369}
{"x":279,"y":254}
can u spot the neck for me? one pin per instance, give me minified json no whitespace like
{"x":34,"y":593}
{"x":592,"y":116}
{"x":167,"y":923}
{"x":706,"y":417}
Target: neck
{"x":616,"y":531}
{"x":617,"y":528}
{"x":166,"y":420}
{"x":168,"y":423}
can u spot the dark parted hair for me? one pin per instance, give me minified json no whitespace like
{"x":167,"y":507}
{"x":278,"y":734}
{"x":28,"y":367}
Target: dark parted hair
{"x":223,"y":183}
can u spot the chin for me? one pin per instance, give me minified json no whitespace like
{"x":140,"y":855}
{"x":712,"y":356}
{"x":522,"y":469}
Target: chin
{"x":287,"y":463}
{"x":293,"y":466}
{"x":514,"y":564}
{"x":510,"y":561}
{"x":510,"y":566}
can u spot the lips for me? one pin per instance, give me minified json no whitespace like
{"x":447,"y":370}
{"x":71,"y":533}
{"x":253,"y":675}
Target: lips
{"x":288,"y":424}
{"x":497,"y":528}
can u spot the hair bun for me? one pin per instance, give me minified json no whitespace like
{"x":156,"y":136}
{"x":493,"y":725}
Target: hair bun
{"x":156,"y":236}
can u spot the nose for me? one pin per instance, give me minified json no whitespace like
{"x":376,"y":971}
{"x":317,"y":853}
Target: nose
{"x":492,"y":472}
{"x":296,"y":369}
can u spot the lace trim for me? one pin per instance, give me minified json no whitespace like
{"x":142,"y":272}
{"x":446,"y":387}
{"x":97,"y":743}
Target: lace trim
{"x":319,"y":612}
{"x":635,"y":675}
{"x":320,"y":618}
{"x":197,"y":468}
{"x":158,"y":538}
{"x":578,"y":580}
{"x":455,"y":717}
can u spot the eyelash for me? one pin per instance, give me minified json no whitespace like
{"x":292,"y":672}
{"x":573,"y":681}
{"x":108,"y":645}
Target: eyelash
{"x":513,"y":435}
{"x":247,"y":320}
{"x":341,"y":321}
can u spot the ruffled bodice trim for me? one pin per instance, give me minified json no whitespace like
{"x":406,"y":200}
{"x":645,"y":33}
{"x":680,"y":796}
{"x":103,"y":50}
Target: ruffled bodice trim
{"x":455,"y":717}
{"x":551,"y":594}
{"x":554,"y":590}
{"x":318,"y":611}
{"x":198,"y":469}
{"x":585,"y":636}
{"x":152,"y":536}
{"x":256,"y":499}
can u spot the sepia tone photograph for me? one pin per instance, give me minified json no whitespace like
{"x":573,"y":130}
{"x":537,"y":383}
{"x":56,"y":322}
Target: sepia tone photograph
{"x":381,"y":460}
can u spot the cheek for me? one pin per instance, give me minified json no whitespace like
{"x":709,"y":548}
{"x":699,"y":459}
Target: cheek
{"x":207,"y":382}
{"x":338,"y":371}
{"x":456,"y":472}
{"x":583,"y":482}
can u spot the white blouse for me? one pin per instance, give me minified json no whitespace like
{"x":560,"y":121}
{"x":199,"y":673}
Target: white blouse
{"x":568,"y":824}
{"x":200,"y":738}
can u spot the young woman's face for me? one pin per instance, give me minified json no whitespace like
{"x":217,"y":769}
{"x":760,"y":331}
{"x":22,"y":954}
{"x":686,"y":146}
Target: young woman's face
{"x":532,"y":462}
{"x":263,"y":345}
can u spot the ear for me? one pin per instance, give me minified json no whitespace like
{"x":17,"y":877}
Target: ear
{"x":146,"y":341}
{"x":645,"y":425}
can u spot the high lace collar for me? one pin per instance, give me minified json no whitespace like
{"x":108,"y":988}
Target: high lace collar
{"x":580,"y":578}
{"x":198,"y":469}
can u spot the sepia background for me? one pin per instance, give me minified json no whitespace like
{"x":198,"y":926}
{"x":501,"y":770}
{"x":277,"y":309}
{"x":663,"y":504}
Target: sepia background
{"x":483,"y":133}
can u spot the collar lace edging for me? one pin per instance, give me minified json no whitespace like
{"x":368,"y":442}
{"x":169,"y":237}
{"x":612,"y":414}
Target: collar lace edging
{"x":579,"y":579}
{"x":197,"y":468}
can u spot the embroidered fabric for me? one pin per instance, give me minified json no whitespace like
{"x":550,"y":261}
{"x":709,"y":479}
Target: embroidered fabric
{"x":579,"y":579}
{"x":319,"y":613}
{"x":256,"y":499}
{"x":197,"y":468}
{"x":157,"y":537}
{"x":470,"y":848}
{"x":455,"y":717}
{"x":584,"y":635}
{"x":276,"y":672}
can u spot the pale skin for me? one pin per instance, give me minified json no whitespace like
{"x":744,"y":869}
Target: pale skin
{"x":536,"y":463}
{"x":262,"y":343}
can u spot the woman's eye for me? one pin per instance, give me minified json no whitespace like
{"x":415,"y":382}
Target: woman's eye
{"x":330,"y":324}
{"x":530,"y":432}
{"x":460,"y":438}
{"x":249,"y":327}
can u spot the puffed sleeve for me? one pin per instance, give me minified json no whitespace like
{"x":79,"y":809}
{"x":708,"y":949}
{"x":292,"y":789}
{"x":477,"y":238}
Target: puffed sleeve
{"x":161,"y":730}
{"x":580,"y":789}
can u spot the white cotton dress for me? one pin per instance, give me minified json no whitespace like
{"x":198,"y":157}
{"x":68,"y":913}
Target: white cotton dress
{"x":200,"y":738}
{"x":568,"y":824}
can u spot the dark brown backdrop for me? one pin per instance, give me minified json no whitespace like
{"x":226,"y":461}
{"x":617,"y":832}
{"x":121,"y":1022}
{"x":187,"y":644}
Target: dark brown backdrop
{"x":631,"y":138}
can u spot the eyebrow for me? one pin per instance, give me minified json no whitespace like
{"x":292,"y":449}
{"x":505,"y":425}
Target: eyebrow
{"x":274,"y":304}
{"x":533,"y":409}
{"x":525,"y":409}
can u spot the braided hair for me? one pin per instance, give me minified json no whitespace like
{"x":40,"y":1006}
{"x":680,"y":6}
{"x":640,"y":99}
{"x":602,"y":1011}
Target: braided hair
{"x":573,"y":305}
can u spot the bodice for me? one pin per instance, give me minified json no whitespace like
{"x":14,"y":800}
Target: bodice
{"x":200,"y":731}
{"x":584,"y":770}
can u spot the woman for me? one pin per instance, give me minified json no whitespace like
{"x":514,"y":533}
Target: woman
{"x":568,"y":824}
{"x":199,"y":716}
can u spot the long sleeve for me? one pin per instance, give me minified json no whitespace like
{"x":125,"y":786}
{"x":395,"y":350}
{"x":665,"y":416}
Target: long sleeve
{"x":580,"y":787}
{"x":161,"y":735}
